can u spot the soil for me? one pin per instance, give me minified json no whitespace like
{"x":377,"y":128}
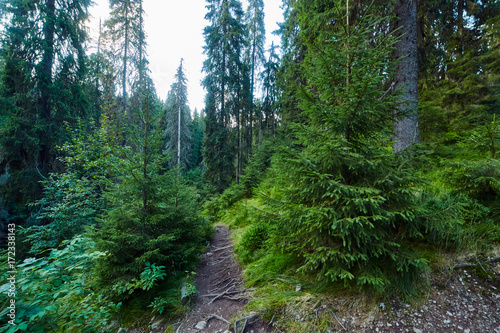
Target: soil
{"x":221,"y":295}
{"x":458,"y":300}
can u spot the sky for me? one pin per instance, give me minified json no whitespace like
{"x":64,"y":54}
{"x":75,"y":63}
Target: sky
{"x":175,"y":30}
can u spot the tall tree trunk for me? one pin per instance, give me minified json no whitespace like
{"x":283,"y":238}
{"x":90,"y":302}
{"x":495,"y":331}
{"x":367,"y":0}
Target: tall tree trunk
{"x":179,"y":123}
{"x":406,"y":76}
{"x":141,"y":62}
{"x":125,"y":59}
{"x":460,"y":14}
{"x":254,"y":47}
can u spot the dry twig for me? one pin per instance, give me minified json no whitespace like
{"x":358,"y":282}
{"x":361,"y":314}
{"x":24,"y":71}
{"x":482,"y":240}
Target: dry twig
{"x":337,"y":318}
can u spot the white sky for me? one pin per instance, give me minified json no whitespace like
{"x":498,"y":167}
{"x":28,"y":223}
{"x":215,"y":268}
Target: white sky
{"x":174,"y":31}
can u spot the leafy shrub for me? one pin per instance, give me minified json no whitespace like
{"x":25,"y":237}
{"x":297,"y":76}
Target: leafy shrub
{"x":73,"y":199}
{"x":56,"y":292}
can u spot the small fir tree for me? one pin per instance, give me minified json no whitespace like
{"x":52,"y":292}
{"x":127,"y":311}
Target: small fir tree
{"x":152,"y":216}
{"x":346,"y":207}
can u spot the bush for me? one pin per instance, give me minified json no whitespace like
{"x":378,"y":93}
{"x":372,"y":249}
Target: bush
{"x":479,"y":179}
{"x":253,"y":242}
{"x":56,"y":292}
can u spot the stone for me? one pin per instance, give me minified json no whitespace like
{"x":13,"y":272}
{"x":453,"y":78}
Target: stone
{"x":186,"y":295}
{"x":201,"y":325}
{"x":155,"y":325}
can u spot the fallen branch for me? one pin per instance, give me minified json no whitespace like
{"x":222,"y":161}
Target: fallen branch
{"x":220,"y":295}
{"x":246,"y":319}
{"x":467,"y":265}
{"x":333,"y":313}
{"x":221,"y":248}
{"x":217,"y":317}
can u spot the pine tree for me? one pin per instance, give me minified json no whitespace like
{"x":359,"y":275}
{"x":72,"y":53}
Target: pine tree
{"x":256,"y":41}
{"x":346,"y":206}
{"x":126,"y":46}
{"x":178,"y":119}
{"x":152,"y":215}
{"x":224,"y":38}
{"x":43,"y":84}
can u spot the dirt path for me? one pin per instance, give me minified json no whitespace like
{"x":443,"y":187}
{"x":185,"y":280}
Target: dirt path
{"x":221,"y":296}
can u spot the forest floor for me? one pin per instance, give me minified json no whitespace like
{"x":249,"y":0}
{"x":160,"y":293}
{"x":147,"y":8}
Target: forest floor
{"x":458,"y":300}
{"x":221,"y":296}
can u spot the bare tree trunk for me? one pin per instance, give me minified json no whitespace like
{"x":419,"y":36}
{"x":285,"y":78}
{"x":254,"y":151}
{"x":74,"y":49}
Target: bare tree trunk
{"x":406,"y":76}
{"x":124,"y":74}
{"x":179,"y":124}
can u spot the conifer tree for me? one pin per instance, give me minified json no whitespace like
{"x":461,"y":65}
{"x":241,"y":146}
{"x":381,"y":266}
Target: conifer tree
{"x":43,"y":79}
{"x":196,"y":143}
{"x":152,"y":215}
{"x":256,"y":41}
{"x":290,"y":76}
{"x":270,"y":93}
{"x":345,"y":205}
{"x":456,"y":92}
{"x":126,"y":45}
{"x":178,"y":118}
{"x":224,"y":39}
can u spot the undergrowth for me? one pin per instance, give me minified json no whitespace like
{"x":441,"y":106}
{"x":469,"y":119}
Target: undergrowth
{"x":457,"y":221}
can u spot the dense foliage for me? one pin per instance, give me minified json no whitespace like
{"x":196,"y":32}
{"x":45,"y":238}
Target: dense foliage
{"x":113,"y":190}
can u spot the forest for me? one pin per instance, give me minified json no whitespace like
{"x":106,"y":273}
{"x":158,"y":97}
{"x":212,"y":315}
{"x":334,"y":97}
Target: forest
{"x":360,"y":155}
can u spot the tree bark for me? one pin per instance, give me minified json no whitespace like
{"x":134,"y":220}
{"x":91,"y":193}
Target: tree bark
{"x":406,"y":76}
{"x":125,"y":59}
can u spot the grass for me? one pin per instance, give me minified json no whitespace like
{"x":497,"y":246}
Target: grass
{"x":462,"y":228}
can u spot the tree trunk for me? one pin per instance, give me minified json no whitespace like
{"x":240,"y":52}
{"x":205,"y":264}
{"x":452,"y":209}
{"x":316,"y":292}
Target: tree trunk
{"x":406,"y":76}
{"x":124,"y":74}
{"x":179,"y":122}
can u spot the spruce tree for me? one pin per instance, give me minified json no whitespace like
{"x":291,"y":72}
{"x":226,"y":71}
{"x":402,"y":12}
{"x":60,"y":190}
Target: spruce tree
{"x":454,"y":75}
{"x":270,"y":93}
{"x":126,"y":46}
{"x":196,"y":143}
{"x":42,"y":88}
{"x":178,"y":120}
{"x":346,"y":206}
{"x":152,"y":215}
{"x":225,"y":40}
{"x":256,"y":41}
